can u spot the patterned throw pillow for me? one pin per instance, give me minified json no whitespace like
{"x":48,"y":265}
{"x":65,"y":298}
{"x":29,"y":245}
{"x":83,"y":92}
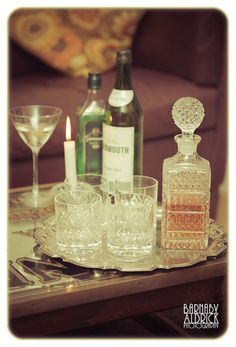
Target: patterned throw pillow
{"x":75,"y":41}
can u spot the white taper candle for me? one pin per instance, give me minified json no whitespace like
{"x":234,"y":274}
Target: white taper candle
{"x":70,"y":156}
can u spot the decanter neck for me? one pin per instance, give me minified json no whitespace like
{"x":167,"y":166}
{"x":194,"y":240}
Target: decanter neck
{"x":187,"y":144}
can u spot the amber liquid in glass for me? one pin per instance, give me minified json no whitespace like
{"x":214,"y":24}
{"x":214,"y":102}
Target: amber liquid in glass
{"x":185,"y":198}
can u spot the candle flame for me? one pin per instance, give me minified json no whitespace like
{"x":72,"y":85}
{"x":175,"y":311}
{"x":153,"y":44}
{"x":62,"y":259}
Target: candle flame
{"x":68,"y":128}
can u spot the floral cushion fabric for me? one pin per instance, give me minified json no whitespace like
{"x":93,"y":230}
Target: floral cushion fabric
{"x":75,"y":41}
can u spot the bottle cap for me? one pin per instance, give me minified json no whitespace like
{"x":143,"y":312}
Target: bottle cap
{"x":124,"y":56}
{"x":94,"y":80}
{"x":188,"y":114}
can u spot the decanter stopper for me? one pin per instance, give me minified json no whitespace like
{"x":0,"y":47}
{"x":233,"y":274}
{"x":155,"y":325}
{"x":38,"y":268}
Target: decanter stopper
{"x":188,"y":114}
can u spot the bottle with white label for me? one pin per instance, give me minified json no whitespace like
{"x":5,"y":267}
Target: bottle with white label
{"x":122,"y":126}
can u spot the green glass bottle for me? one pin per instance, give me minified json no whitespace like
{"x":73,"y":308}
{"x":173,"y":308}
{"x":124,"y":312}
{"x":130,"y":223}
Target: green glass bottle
{"x":89,"y":129}
{"x":123,"y":125}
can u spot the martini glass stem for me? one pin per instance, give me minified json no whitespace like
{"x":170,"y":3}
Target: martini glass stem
{"x":35,"y":189}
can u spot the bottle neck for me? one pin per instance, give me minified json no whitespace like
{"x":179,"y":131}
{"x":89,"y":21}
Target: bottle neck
{"x":94,"y":94}
{"x":123,"y":76}
{"x":187,"y":144}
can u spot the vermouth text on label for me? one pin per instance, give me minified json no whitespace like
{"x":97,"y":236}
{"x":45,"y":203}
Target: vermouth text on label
{"x":118,"y":152}
{"x":116,"y":149}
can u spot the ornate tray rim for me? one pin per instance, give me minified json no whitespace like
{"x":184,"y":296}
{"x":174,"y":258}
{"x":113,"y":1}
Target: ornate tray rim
{"x":217,"y":246}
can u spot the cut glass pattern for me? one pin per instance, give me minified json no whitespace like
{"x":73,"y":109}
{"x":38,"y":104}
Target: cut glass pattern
{"x":188,"y":114}
{"x":186,"y":184}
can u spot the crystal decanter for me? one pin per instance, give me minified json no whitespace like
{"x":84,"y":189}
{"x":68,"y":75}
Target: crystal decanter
{"x":186,"y":183}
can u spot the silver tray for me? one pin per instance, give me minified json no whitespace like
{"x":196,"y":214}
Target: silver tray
{"x":45,"y":235}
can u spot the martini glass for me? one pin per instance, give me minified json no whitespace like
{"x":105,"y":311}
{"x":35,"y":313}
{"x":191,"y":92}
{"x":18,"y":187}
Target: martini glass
{"x":35,"y":124}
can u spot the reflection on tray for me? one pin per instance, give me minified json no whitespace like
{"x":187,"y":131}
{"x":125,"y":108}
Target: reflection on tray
{"x":160,"y":259}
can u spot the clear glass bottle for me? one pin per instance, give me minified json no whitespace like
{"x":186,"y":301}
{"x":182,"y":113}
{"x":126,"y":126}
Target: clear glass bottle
{"x":186,"y":184}
{"x":123,"y":125}
{"x":89,"y":129}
